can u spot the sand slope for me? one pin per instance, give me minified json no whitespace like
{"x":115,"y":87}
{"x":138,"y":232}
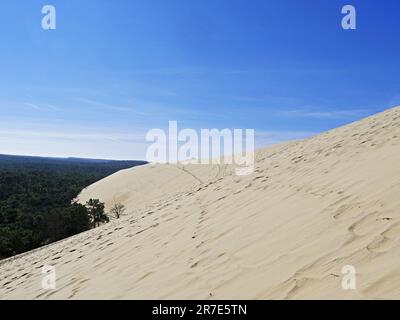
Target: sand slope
{"x":200,"y":232}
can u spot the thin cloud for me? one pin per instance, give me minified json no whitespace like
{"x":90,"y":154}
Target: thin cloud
{"x":267,"y":138}
{"x":201,"y":71}
{"x":110,"y":107}
{"x":283,"y":135}
{"x":327,"y":114}
{"x":41,"y":107}
{"x":78,"y":136}
{"x":32,"y":105}
{"x":153,"y":108}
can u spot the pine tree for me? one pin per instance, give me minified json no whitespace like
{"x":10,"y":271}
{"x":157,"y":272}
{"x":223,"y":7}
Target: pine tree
{"x":96,"y":212}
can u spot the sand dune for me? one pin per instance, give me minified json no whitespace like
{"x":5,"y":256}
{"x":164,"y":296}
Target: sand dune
{"x":200,"y":232}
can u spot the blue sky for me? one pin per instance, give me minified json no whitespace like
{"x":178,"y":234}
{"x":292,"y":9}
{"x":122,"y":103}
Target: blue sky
{"x":112,"y":70}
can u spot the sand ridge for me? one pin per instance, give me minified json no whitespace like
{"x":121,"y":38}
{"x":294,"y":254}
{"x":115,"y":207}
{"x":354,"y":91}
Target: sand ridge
{"x":201,"y":232}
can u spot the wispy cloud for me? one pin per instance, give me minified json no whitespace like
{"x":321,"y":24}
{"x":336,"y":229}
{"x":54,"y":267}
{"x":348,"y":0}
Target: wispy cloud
{"x":41,"y":106}
{"x":200,"y":71}
{"x":327,"y":114}
{"x":110,"y":107}
{"x":64,"y":143}
{"x":267,"y":138}
{"x":78,"y":136}
{"x":152,"y":108}
{"x":32,"y":105}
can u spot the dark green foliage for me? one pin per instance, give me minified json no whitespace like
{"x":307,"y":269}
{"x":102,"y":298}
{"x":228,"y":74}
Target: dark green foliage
{"x":95,"y":210}
{"x":36,"y":199}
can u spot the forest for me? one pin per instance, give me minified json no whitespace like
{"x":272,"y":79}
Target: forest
{"x":36,"y":199}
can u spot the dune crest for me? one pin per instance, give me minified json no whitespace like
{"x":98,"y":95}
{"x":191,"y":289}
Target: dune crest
{"x":201,"y":232}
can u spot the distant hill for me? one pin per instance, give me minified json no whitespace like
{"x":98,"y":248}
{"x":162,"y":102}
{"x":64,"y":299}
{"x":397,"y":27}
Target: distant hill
{"x":98,"y":167}
{"x":13,"y":160}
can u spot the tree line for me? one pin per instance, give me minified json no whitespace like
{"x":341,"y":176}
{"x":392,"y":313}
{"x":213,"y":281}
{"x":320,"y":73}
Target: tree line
{"x":36,"y":200}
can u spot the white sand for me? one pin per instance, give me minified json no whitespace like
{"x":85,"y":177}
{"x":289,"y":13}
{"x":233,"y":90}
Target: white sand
{"x":283,"y":232}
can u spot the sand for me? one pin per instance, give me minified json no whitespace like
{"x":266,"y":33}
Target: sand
{"x":201,"y":232}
